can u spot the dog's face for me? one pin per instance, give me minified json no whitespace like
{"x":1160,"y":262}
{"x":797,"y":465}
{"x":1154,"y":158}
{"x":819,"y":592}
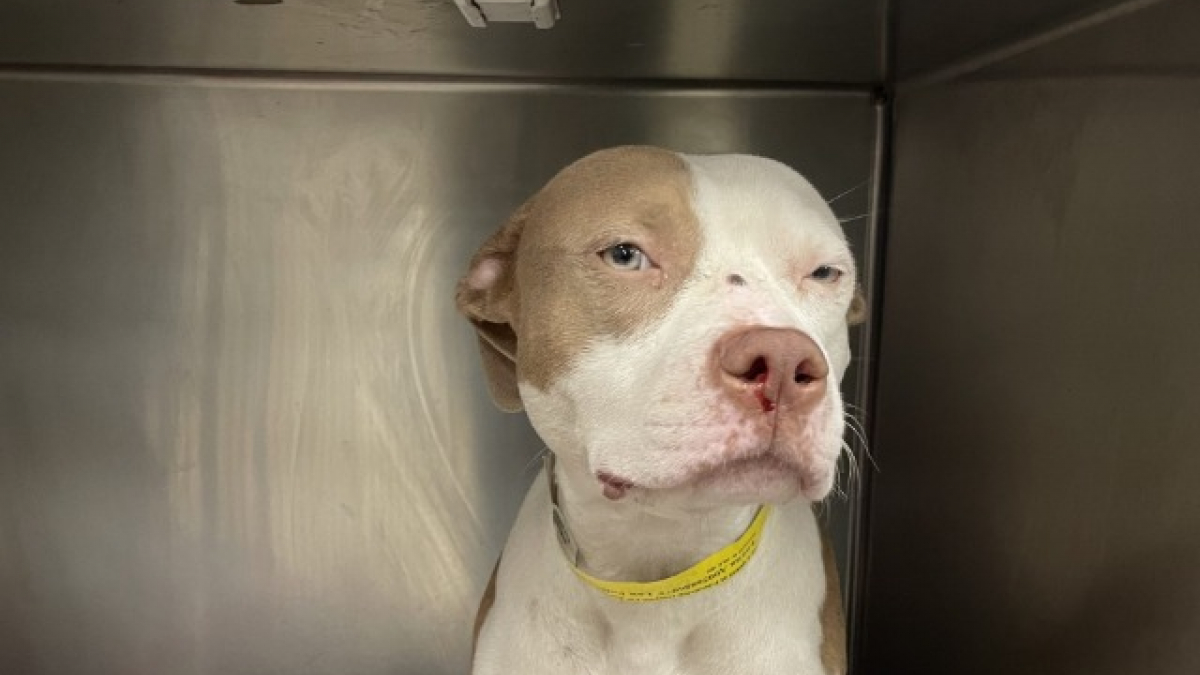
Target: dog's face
{"x":677,"y":324}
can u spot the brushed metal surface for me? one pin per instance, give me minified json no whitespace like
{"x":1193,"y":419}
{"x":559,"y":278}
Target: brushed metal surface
{"x":1158,"y":41}
{"x":719,"y":39}
{"x":241,"y":428}
{"x":931,"y":34}
{"x":1037,"y":402}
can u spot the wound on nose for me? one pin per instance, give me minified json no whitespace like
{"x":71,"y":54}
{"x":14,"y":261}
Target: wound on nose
{"x":758,"y":374}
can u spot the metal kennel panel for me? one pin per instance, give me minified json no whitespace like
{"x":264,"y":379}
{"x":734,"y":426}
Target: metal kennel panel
{"x":1039,"y":382}
{"x":242,"y":429}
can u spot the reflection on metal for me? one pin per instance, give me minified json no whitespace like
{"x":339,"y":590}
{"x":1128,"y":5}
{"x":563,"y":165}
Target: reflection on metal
{"x":929,"y":34}
{"x":1158,"y":42}
{"x":809,"y":42}
{"x":241,"y":428}
{"x":995,"y":54}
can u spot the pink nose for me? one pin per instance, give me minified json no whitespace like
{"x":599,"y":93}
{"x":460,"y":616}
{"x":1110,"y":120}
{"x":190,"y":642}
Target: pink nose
{"x":771,"y":368}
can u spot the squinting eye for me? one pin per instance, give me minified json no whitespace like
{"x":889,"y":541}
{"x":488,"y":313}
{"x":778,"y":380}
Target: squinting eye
{"x":626,"y":257}
{"x":826,"y":274}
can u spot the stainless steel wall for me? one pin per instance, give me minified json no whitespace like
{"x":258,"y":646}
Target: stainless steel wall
{"x":1039,"y":387}
{"x":241,"y":427}
{"x":806,"y":41}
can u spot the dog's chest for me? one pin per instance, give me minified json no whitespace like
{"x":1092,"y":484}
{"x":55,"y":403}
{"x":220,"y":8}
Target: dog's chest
{"x":636,"y":648}
{"x":690,"y":640}
{"x":762,"y":621}
{"x":728,"y":643}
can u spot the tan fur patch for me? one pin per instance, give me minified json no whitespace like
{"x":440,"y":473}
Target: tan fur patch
{"x":555,"y":294}
{"x":490,"y":308}
{"x":858,"y":309}
{"x":833,"y":625}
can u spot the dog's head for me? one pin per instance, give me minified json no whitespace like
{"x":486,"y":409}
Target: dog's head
{"x":677,"y":324}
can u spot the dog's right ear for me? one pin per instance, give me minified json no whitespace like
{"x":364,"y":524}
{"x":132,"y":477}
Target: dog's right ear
{"x":487,"y":296}
{"x":858,"y":308}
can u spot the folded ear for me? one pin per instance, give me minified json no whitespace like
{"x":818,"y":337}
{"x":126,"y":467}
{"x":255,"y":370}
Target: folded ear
{"x":858,"y":309}
{"x":487,"y":296}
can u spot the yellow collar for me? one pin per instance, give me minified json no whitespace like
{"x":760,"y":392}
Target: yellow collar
{"x":713,"y":570}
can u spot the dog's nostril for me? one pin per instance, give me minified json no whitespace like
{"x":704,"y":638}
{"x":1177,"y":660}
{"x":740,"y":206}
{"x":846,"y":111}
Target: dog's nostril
{"x":804,"y":373}
{"x":758,"y":371}
{"x":736,"y":279}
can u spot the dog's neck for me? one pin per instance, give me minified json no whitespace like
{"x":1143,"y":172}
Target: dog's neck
{"x":632,"y":540}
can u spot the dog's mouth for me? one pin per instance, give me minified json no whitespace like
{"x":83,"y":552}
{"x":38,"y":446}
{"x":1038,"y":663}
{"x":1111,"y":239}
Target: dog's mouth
{"x":765,"y":474}
{"x":750,"y":475}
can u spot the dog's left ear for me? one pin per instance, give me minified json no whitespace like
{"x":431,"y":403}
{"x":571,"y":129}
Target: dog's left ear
{"x":858,"y":308}
{"x":487,"y":296}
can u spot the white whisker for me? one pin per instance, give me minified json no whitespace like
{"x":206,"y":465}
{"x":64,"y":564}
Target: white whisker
{"x":854,"y":408}
{"x":855,"y":428}
{"x":859,"y":430}
{"x":853,"y":472}
{"x":843,"y":194}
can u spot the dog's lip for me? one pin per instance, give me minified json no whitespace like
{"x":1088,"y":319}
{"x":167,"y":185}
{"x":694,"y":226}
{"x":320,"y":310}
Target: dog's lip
{"x":615,"y":487}
{"x":767,"y":462}
{"x":613,"y":480}
{"x":763,"y":461}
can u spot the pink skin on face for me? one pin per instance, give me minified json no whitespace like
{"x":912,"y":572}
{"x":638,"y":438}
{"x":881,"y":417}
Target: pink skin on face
{"x":746,"y":462}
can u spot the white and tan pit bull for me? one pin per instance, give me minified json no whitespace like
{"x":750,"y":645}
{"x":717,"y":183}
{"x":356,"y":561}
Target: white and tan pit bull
{"x":675,"y":327}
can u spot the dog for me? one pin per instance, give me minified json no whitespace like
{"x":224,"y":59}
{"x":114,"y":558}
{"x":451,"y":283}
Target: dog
{"x":676,"y":329}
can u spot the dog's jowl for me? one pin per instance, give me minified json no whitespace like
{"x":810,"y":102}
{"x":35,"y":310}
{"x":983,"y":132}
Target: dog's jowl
{"x":675,"y":327}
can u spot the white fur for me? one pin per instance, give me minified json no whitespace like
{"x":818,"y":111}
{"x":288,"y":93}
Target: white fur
{"x":763,"y":620}
{"x":645,"y":409}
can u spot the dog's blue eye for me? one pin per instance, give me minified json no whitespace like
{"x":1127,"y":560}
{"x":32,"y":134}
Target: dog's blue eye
{"x":625,"y":257}
{"x":826,"y":273}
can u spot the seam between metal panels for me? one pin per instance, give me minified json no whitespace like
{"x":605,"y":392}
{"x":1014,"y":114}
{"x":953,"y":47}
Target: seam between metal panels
{"x":858,"y":557}
{"x":427,"y":81}
{"x":1104,"y":74}
{"x":1021,"y":45}
{"x":859,"y":560}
